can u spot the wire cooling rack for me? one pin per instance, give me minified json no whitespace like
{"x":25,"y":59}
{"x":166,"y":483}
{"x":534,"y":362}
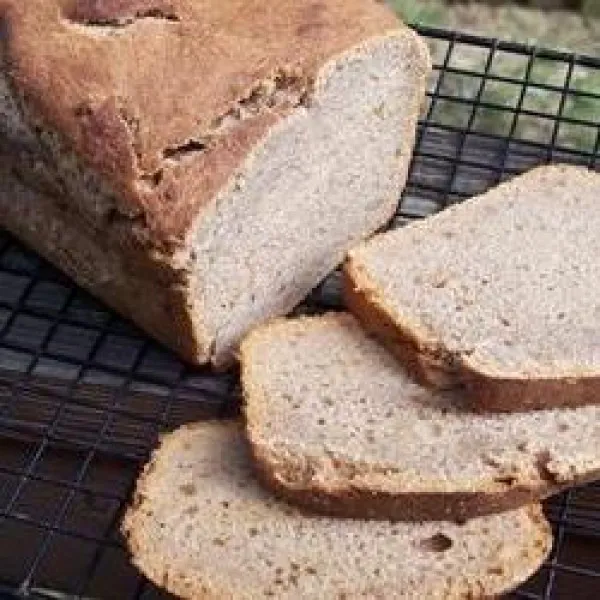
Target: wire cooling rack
{"x":83,"y":394}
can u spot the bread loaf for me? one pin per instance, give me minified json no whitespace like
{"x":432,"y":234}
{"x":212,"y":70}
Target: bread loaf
{"x":228,"y":154}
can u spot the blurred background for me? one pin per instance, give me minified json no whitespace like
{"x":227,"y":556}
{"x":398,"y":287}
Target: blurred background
{"x":570,"y":25}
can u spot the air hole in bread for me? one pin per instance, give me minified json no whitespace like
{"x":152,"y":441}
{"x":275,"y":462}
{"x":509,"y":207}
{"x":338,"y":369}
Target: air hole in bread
{"x":437,"y":430}
{"x":188,"y":489}
{"x":116,"y":215}
{"x":437,"y":543}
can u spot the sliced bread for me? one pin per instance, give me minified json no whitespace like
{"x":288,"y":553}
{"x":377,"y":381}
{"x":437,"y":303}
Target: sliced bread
{"x":337,"y":425}
{"x":499,"y":294}
{"x":201,"y":527}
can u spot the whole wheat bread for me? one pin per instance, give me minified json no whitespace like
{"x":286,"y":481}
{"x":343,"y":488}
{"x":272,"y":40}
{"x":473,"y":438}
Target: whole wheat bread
{"x":498,"y":294}
{"x":199,"y":142}
{"x":201,"y":527}
{"x":336,"y":425}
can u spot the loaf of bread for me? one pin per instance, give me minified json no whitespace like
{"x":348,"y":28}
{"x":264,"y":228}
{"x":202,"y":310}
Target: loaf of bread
{"x":201,"y":527}
{"x":336,"y":425}
{"x":217,"y":159}
{"x":497,"y":295}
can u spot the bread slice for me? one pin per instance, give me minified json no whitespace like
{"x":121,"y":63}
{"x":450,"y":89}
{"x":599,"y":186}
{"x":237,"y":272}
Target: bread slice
{"x":498,"y":294}
{"x":201,"y":527}
{"x":199,"y":142}
{"x":336,"y":425}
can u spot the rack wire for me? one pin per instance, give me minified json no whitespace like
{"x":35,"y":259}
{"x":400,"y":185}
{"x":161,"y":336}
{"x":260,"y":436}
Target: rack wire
{"x":84,"y":395}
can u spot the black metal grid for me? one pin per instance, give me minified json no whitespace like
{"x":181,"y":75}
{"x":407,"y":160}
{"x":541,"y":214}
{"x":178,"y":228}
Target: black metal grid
{"x":83,"y":394}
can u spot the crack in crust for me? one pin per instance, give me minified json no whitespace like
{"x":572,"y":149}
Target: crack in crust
{"x":120,"y":13}
{"x":285,"y":90}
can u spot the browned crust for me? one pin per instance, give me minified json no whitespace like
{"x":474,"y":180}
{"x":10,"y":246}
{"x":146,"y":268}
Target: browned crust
{"x":348,"y":500}
{"x":77,"y":68}
{"x":431,"y":365}
{"x":503,"y":394}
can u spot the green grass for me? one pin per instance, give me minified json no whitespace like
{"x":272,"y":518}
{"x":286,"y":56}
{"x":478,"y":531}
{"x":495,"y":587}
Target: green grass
{"x":539,"y":128}
{"x":423,"y":13}
{"x":570,"y":32}
{"x":591,"y":8}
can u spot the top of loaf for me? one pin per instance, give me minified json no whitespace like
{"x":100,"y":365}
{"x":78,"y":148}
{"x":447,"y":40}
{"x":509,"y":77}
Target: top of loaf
{"x":165,"y":98}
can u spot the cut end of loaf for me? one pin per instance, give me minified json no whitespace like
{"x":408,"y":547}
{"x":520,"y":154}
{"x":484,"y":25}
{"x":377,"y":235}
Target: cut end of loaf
{"x":323,"y":180}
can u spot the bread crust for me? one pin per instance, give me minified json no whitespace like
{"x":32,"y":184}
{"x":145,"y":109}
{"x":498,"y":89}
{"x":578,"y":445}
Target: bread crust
{"x":119,"y":82}
{"x":96,"y":262}
{"x":347,"y":500}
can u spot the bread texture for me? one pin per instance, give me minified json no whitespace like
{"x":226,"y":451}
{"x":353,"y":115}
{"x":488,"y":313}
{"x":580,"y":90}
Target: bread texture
{"x":495,"y":295}
{"x":336,"y":425}
{"x":200,"y":142}
{"x":201,"y":527}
